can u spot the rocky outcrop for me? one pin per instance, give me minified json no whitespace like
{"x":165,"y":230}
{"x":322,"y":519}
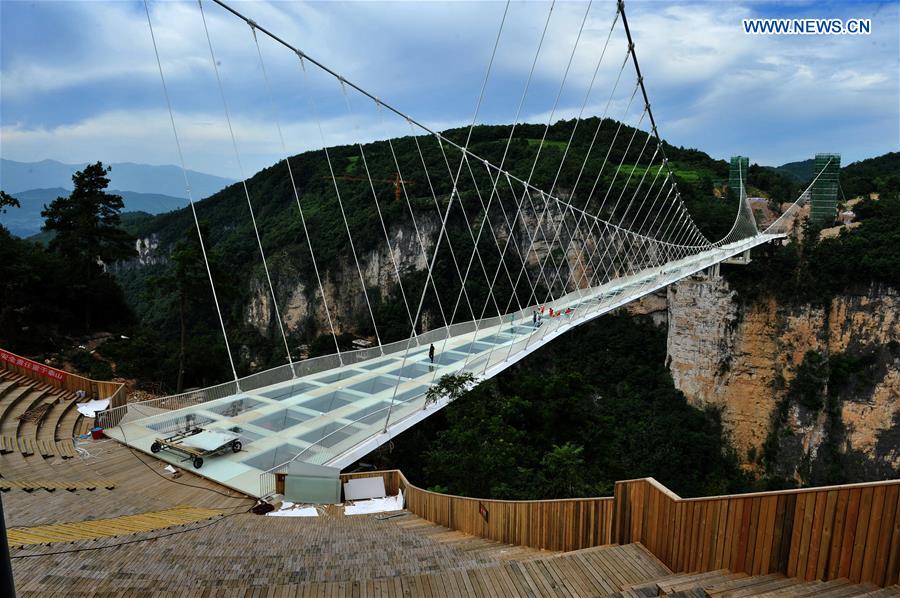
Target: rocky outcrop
{"x":302,"y":303}
{"x":742,"y":358}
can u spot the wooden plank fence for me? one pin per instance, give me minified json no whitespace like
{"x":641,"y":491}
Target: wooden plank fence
{"x":566,"y":524}
{"x":850,"y":531}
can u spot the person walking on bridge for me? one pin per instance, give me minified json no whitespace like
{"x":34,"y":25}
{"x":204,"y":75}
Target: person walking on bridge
{"x":431,"y":353}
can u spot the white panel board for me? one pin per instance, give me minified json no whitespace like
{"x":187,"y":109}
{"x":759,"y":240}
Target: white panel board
{"x":363,"y":488}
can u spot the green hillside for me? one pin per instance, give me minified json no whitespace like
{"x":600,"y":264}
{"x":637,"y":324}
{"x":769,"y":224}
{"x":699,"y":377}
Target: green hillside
{"x":881,"y":174}
{"x":801,"y":172}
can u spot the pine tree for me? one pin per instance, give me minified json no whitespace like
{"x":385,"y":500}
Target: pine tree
{"x":86,"y":227}
{"x":87,"y":222}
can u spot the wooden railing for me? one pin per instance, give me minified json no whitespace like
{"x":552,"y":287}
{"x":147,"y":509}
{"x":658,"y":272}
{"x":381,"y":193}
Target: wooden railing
{"x":67,"y":381}
{"x":567,"y":524}
{"x":850,"y":531}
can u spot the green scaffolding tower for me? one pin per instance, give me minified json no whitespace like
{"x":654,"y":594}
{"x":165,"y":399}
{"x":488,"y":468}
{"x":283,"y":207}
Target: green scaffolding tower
{"x":737,"y":175}
{"x":823,"y":206}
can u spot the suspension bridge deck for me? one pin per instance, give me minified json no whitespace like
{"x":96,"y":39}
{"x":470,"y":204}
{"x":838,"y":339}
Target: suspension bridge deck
{"x":336,"y":416}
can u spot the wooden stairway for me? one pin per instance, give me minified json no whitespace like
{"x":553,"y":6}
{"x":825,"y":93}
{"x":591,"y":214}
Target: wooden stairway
{"x":397,"y":557}
{"x":725,"y":584}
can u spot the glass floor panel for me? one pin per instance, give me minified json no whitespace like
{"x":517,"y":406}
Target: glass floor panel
{"x":449,"y":357}
{"x":408,"y":395}
{"x":286,"y":392}
{"x":329,"y":435}
{"x":496,"y":339}
{"x":329,"y":402}
{"x":380,"y":363}
{"x":478,"y":347}
{"x":234,"y":408}
{"x":273,"y":457}
{"x":413,"y":370}
{"x":379,"y":408}
{"x":374,"y":385}
{"x":281,"y":420}
{"x":337,"y":376}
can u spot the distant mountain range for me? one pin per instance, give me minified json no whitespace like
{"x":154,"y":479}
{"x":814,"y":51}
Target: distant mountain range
{"x":26,"y":220}
{"x":16,"y":177}
{"x":145,"y":188}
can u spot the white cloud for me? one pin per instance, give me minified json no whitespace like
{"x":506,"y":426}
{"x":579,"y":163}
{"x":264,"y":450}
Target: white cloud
{"x":710,"y":86}
{"x":146,"y":136}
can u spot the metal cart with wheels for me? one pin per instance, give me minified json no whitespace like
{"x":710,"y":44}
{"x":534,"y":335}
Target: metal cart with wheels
{"x":197,"y":444}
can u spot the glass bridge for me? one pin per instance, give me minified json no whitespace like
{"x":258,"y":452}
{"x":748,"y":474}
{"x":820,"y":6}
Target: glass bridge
{"x":342,"y":411}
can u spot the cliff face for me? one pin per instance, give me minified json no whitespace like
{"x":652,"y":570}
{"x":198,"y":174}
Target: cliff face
{"x":301,"y":302}
{"x":743,"y":358}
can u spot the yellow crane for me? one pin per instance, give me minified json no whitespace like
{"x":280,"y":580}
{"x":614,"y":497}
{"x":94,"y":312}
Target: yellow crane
{"x":396,"y":181}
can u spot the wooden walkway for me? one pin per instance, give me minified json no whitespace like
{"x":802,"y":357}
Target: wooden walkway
{"x":138,"y":484}
{"x":117,"y":499}
{"x":105,"y":528}
{"x":223,"y":560}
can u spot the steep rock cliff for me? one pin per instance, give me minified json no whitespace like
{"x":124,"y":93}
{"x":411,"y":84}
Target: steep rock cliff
{"x":743,"y":357}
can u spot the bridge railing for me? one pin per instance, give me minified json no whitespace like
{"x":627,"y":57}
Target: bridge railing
{"x":287,"y":372}
{"x":563,"y":524}
{"x":116,"y":415}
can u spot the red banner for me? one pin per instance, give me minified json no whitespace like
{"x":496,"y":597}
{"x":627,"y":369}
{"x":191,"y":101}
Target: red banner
{"x":39,"y":368}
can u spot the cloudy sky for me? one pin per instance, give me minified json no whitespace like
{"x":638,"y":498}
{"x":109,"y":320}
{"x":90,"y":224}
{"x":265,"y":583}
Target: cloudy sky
{"x":80,"y":79}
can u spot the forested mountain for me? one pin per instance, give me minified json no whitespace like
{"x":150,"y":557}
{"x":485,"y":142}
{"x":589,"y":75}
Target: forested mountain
{"x":857,"y":178}
{"x":801,"y":172}
{"x":880,"y":174}
{"x":424,"y":165}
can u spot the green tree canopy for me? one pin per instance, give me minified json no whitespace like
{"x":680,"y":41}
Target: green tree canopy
{"x":87,"y":222}
{"x":7,"y":201}
{"x":187,"y":283}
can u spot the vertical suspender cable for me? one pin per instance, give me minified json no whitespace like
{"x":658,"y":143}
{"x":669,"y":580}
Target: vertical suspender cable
{"x":537,"y":157}
{"x":387,"y":238}
{"x":287,"y":163}
{"x":337,"y":192}
{"x":412,"y":216}
{"x":447,"y":213}
{"x":190,"y":195}
{"x":637,"y":70}
{"x":237,"y":156}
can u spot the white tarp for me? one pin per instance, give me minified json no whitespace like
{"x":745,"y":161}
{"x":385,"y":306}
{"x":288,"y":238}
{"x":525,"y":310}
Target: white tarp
{"x":289,"y":509}
{"x":209,"y":440}
{"x":91,"y":407}
{"x":376,"y":505}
